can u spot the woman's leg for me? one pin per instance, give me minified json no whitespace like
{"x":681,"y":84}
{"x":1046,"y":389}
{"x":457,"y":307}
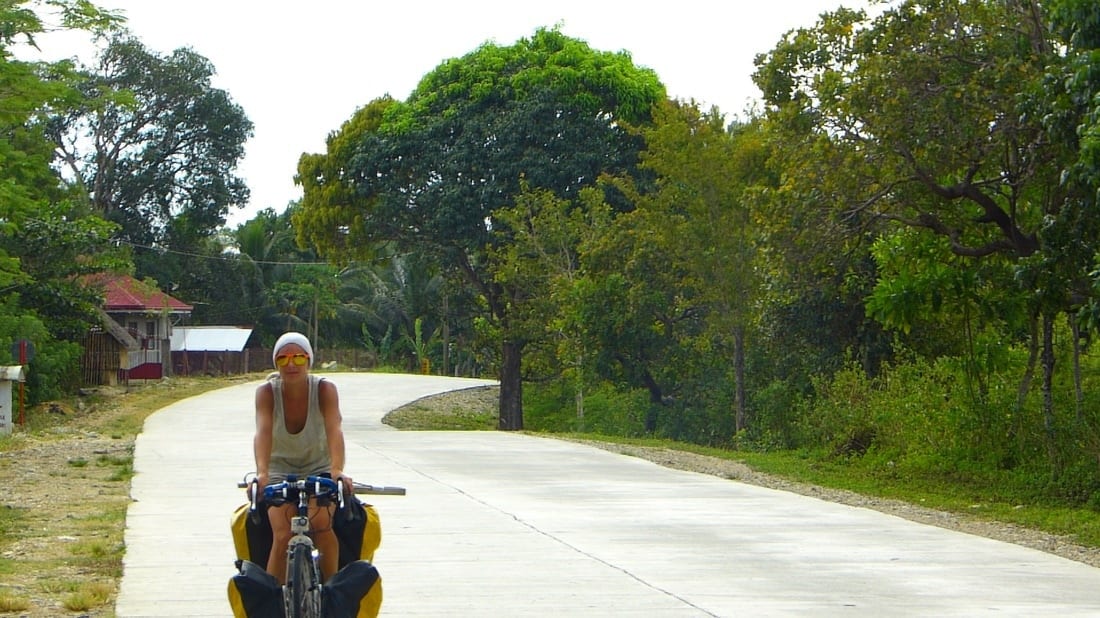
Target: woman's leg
{"x":320,"y":524}
{"x":280,"y":538}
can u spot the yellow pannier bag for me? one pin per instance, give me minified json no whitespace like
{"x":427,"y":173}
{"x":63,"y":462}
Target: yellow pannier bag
{"x":359,"y":532}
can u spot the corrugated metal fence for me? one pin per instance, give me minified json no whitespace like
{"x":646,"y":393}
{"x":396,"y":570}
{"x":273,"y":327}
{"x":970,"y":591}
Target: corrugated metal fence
{"x":258,"y":360}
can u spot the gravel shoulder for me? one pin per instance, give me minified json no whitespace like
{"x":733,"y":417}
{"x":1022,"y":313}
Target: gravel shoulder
{"x":62,"y":521}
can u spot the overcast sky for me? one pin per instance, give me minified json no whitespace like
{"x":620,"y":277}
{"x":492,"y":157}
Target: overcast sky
{"x":300,"y":69}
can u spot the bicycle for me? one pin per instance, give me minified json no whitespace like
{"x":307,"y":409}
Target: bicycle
{"x":303,"y":593}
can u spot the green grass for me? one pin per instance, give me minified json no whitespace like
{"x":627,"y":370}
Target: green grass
{"x":112,"y":517}
{"x":414,"y":417}
{"x":102,"y":556}
{"x":8,"y":566}
{"x":88,"y":596}
{"x":11,"y":518}
{"x":11,"y":603}
{"x":124,"y":466}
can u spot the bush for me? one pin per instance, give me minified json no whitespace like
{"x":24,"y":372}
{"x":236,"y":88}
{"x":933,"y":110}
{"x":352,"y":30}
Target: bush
{"x":776,"y":409}
{"x":554,"y":408}
{"x":55,"y":369}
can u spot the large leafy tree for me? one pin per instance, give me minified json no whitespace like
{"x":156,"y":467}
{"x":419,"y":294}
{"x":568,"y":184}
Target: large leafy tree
{"x":155,"y":147}
{"x":921,"y":105}
{"x":427,"y":173}
{"x":1069,"y":95}
{"x":46,"y":238}
{"x":939,"y":114}
{"x":703,"y":173}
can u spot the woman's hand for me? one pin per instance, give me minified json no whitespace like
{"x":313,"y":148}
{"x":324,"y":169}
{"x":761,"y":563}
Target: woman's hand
{"x":340,"y":477}
{"x":259,"y":482}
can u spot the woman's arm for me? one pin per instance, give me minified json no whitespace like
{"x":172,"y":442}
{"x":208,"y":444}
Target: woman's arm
{"x":334,"y":430}
{"x":261,"y":443}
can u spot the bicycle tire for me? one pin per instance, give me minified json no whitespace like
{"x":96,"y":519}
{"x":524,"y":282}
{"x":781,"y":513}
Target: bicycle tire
{"x":302,"y":594}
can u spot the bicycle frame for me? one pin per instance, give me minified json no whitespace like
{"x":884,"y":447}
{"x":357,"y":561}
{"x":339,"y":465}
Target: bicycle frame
{"x":302,"y":591}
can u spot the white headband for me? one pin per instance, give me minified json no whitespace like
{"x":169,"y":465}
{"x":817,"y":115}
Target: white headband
{"x":296,"y":338}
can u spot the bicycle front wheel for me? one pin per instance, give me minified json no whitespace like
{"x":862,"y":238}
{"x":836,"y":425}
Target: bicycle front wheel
{"x":303,"y":593}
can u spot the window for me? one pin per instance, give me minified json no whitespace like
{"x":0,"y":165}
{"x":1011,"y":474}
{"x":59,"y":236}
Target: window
{"x":150,"y":335}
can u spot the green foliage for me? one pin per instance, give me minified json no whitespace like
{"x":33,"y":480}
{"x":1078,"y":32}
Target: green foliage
{"x":54,"y":370}
{"x":915,"y":414}
{"x":884,"y":92}
{"x":583,"y":78}
{"x":921,"y":419}
{"x":776,"y":407}
{"x":426,"y":175}
{"x":554,"y":408}
{"x":66,"y":246}
{"x":154,"y":147}
{"x":46,"y":240}
{"x":558,"y":134}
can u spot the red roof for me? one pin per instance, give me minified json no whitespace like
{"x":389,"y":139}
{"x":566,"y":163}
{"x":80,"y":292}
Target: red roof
{"x":124,"y":293}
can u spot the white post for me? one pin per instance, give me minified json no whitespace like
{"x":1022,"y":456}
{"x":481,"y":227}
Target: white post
{"x":13,"y":373}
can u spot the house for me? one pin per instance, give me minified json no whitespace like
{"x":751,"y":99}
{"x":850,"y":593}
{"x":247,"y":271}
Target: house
{"x":139,"y":319}
{"x":210,"y":350}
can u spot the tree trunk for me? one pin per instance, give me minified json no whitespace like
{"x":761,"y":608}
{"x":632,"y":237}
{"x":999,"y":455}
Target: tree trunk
{"x":1029,"y":375}
{"x":1048,"y":394}
{"x":1078,"y":388}
{"x":316,"y":327}
{"x":446,"y":337}
{"x":656,"y":398}
{"x":511,"y":388}
{"x":739,"y":378}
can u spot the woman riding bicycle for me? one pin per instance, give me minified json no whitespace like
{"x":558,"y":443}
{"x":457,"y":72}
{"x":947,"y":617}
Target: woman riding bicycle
{"x":298,"y":431}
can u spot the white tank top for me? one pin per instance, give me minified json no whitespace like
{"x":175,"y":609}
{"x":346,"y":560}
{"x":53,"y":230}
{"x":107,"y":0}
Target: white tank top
{"x":304,"y":453}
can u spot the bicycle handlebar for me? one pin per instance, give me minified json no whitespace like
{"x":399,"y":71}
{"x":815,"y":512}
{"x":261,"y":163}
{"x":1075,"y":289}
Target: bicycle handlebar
{"x":318,"y":486}
{"x":312,"y":484}
{"x":363,"y":488}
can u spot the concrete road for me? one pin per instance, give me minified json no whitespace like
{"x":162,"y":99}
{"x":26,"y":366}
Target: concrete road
{"x":504,"y":525}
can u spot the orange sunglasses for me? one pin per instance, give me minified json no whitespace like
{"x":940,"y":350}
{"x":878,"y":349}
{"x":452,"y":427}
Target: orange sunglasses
{"x":283,"y":360}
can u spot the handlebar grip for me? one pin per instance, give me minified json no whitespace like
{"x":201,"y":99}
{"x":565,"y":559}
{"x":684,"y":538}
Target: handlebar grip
{"x":361,"y":488}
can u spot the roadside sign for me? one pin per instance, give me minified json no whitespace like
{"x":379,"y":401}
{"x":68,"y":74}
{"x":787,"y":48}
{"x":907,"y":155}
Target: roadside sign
{"x":22,"y":351}
{"x":8,"y":375}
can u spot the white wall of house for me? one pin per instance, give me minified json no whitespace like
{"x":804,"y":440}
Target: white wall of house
{"x":154,"y":332}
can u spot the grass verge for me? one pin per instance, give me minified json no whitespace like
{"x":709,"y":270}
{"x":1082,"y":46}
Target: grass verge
{"x":77,"y":453}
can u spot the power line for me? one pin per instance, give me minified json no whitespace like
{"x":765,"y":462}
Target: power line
{"x":223,"y":258}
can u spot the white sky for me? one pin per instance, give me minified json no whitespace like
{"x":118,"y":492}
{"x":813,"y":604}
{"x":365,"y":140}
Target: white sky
{"x":300,"y":69}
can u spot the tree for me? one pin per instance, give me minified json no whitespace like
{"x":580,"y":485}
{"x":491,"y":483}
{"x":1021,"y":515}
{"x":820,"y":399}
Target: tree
{"x":46,"y":238}
{"x":703,"y":173}
{"x":963,"y":120}
{"x":155,"y":147}
{"x":1067,"y":100}
{"x":428,"y":173}
{"x":921,"y":106}
{"x":540,"y":264}
{"x":638,"y":305}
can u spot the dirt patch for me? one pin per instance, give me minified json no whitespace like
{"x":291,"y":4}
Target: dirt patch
{"x":67,"y":489}
{"x":63,"y":523}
